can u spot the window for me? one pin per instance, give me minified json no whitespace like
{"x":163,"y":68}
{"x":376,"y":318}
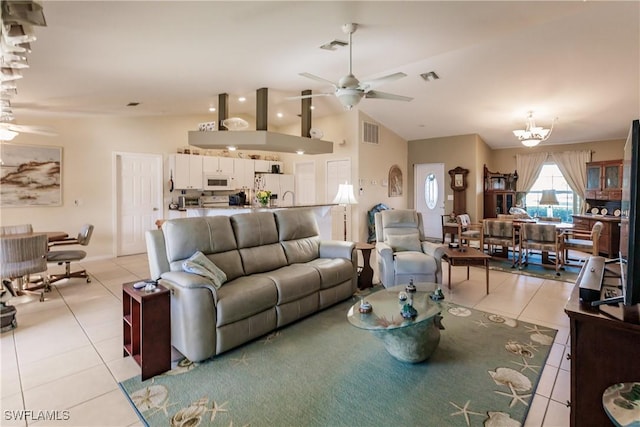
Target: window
{"x":551,"y":178}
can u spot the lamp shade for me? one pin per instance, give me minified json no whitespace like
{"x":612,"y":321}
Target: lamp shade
{"x":345,"y":195}
{"x":549,"y":198}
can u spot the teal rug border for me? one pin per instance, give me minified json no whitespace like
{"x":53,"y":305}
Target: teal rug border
{"x":135,"y":408}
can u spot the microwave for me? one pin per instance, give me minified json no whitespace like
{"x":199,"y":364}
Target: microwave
{"x":216,"y":182}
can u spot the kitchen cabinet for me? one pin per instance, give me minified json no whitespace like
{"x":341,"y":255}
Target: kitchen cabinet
{"x":218,"y":165}
{"x":266,"y":165}
{"x":243,"y":176}
{"x":609,"y":242}
{"x":278,"y":184}
{"x":187,"y":171}
{"x":604,"y":180}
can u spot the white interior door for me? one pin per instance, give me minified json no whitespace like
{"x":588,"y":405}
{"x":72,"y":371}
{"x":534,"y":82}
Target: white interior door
{"x":430,"y":197}
{"x":138,"y":199}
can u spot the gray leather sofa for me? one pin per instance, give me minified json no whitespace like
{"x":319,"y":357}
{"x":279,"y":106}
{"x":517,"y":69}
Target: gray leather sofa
{"x":278,"y":270}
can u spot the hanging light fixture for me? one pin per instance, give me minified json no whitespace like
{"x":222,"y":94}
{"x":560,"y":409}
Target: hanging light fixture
{"x":533,"y":135}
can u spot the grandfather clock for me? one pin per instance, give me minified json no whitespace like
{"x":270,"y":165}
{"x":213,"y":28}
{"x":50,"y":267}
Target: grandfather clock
{"x":459,"y":187}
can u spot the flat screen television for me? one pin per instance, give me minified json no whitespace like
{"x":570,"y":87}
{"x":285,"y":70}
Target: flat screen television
{"x":630,"y":218}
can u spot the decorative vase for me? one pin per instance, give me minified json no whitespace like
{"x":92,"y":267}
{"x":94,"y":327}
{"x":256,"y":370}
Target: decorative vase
{"x":264,"y":203}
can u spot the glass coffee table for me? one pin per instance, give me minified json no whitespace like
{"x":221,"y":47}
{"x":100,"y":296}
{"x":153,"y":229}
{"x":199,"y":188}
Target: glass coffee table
{"x":408,"y":340}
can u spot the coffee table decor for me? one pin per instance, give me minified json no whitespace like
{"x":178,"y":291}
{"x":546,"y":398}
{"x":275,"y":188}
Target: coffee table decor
{"x":408,"y":327}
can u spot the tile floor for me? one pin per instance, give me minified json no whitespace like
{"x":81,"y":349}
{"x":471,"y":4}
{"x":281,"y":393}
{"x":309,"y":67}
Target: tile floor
{"x":66,"y":353}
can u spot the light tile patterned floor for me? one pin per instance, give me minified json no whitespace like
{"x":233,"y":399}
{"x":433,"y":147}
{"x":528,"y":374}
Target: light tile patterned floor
{"x":66,"y":353}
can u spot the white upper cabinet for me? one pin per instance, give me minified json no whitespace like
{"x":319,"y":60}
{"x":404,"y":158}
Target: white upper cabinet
{"x":219,"y":165}
{"x":243,"y":176}
{"x":187,"y":171}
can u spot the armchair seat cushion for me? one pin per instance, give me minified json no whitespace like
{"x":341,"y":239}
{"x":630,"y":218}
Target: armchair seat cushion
{"x":471,"y":234}
{"x":411,"y":262}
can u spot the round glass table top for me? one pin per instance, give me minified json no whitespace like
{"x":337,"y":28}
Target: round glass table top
{"x":386,"y":310}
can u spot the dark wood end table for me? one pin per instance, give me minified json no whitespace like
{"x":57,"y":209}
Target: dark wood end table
{"x":466,"y":256}
{"x":365,"y":275}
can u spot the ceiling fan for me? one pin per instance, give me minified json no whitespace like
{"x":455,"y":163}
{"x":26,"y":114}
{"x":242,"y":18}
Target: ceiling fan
{"x":349,"y":90}
{"x":9,"y":129}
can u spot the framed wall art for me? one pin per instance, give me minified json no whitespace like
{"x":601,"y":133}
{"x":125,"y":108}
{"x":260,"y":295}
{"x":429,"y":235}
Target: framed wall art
{"x":30,"y":175}
{"x":395,"y":181}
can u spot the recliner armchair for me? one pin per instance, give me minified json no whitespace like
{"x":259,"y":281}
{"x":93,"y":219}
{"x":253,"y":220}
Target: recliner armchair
{"x":401,"y":252}
{"x":68,"y":256}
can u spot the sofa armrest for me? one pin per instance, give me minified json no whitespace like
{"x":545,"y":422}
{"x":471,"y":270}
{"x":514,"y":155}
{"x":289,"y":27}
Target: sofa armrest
{"x":384,"y":253}
{"x":156,"y":253}
{"x":186,"y":280}
{"x":336,"y":249}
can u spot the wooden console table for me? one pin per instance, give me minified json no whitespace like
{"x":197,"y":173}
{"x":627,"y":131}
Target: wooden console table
{"x":365,"y":273}
{"x":603,"y":353}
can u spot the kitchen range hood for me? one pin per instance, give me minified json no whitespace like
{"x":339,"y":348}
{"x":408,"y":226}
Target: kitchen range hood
{"x":261,"y":139}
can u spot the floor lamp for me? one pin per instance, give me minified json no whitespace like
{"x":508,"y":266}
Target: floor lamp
{"x":343,"y":198}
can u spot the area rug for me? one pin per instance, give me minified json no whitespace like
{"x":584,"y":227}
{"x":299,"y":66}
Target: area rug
{"x":322,"y":371}
{"x":568,"y":273}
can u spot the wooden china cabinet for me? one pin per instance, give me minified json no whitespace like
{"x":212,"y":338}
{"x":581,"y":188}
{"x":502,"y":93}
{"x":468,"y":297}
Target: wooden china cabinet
{"x":499,"y":192}
{"x":604,"y":180}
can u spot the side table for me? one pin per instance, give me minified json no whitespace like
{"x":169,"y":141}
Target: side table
{"x":146,"y":328}
{"x":365,"y":275}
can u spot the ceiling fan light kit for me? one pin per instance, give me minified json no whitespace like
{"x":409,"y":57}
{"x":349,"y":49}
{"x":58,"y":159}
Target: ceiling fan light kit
{"x":349,"y":90}
{"x":533,"y":135}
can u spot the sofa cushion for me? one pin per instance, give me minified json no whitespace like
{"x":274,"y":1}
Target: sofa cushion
{"x":333,"y":271}
{"x":301,"y":250}
{"x":263,"y":258}
{"x":199,"y":264}
{"x":414,"y":263}
{"x":294,"y":281}
{"x":296,"y":224}
{"x":186,"y":236}
{"x":244,"y":297}
{"x":404,"y":242}
{"x":254,"y":229}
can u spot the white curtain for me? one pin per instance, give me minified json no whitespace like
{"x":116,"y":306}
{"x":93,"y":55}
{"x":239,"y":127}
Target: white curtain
{"x":528,"y":167}
{"x":572,"y":165}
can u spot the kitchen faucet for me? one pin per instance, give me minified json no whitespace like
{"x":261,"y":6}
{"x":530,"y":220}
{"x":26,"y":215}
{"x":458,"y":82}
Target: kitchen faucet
{"x":293,"y":197}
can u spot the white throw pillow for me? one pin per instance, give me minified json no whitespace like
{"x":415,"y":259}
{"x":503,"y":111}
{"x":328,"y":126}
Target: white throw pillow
{"x":404,"y":242}
{"x":203,"y":266}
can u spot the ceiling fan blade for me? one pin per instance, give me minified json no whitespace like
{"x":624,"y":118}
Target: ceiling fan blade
{"x":313,"y":95}
{"x":318,"y":79}
{"x":372,"y":84}
{"x":38,"y":130}
{"x":385,"y":95}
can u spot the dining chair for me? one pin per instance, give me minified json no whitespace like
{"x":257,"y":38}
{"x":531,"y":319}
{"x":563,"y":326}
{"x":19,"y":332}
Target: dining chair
{"x":66,"y":257}
{"x":583,"y":240}
{"x":7,"y":230}
{"x":468,"y":231}
{"x":21,"y":257}
{"x":501,"y":233}
{"x":544,"y":238}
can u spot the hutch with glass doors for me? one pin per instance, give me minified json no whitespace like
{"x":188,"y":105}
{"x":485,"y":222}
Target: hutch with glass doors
{"x":500,"y":193}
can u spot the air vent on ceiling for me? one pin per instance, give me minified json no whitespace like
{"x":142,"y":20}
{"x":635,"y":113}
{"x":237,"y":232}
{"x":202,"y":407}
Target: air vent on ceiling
{"x":370,"y":133}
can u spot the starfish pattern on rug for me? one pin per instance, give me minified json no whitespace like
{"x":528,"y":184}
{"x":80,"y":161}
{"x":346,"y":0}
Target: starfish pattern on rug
{"x":242,"y":360}
{"x":525,"y":365}
{"x":515,"y":397}
{"x":463,"y":410}
{"x":215,"y":408}
{"x":270,"y":338}
{"x":536,"y":329}
{"x":531,"y":346}
{"x":481,"y":323}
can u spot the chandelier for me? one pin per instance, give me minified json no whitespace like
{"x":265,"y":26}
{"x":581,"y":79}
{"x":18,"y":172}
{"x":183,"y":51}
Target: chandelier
{"x":533,"y":135}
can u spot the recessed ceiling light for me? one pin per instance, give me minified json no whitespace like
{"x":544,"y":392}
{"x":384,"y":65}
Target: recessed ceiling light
{"x":231,"y":148}
{"x":300,"y":152}
{"x":242,"y":99}
{"x":212,"y":109}
{"x":279,"y":115}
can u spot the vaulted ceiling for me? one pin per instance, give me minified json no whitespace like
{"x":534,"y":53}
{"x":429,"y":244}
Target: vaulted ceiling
{"x":578,"y":61}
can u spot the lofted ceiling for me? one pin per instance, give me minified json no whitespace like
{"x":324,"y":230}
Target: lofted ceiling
{"x":578,"y":61}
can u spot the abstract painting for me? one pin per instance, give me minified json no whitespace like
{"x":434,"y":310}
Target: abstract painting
{"x":30,"y":175}
{"x":395,"y":181}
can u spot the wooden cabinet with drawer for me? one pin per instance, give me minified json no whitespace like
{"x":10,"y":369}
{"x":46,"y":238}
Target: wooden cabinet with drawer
{"x":609,"y":242}
{"x":604,"y":180}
